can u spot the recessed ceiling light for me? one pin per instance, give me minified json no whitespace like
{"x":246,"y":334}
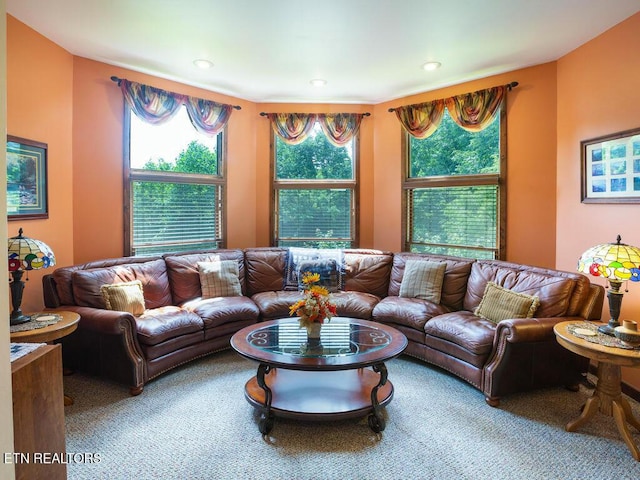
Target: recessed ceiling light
{"x":318,"y":82}
{"x":430,"y":66}
{"x":202,"y":63}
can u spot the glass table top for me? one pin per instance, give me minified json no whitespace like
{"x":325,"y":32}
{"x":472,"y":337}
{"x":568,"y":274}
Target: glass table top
{"x":339,"y":337}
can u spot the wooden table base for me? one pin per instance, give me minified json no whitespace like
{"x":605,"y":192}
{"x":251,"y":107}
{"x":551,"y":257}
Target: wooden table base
{"x":607,"y":398}
{"x":316,"y":396}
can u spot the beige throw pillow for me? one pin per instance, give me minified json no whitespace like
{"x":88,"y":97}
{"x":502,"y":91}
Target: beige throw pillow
{"x":423,"y":279}
{"x":124,"y":297}
{"x":219,"y":279}
{"x":499,"y":303}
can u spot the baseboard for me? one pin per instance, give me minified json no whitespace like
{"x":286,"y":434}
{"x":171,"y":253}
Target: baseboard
{"x":627,"y":389}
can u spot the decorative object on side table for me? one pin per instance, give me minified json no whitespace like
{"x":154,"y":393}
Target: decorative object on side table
{"x":628,"y":333}
{"x":25,"y":254}
{"x":314,"y":308}
{"x":618,"y":263}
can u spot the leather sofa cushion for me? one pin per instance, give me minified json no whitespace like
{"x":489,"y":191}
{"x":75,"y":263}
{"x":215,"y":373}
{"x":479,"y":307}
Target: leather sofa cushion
{"x":265,"y":269}
{"x":152,"y":275}
{"x":456,"y":275}
{"x":355,"y":304}
{"x":185,"y":278}
{"x":464,"y":329}
{"x":367,"y":271}
{"x":64,"y":281}
{"x":275,"y":304}
{"x":410,"y":312}
{"x":221,"y":310}
{"x":554,"y":289}
{"x":349,"y":304}
{"x":160,"y":324}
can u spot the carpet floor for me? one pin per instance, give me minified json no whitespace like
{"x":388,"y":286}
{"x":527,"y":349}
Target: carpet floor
{"x":194,"y":423}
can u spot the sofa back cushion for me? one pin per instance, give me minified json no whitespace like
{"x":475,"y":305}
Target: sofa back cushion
{"x":454,"y":285}
{"x":152,"y":275}
{"x":560,"y":293}
{"x":365,"y":270}
{"x":184,"y":276}
{"x":63,"y":275}
{"x":265,"y":269}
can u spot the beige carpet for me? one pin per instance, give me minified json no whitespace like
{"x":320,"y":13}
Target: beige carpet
{"x":194,"y":423}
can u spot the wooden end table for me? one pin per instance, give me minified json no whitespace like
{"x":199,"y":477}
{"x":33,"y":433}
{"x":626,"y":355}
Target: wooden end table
{"x":48,"y":334}
{"x":607,"y":397}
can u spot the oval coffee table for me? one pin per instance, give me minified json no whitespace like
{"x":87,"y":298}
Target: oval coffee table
{"x":325,"y":381}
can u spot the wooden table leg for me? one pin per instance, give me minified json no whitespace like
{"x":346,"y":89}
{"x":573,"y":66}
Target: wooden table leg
{"x":607,"y":398}
{"x":621,"y":422}
{"x":589,"y":410}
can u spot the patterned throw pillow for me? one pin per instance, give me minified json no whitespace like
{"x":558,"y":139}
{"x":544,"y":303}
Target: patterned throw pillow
{"x":297,"y":255}
{"x":219,"y":279}
{"x":423,"y":279}
{"x":499,"y":303}
{"x":124,"y":297}
{"x":327,"y":269}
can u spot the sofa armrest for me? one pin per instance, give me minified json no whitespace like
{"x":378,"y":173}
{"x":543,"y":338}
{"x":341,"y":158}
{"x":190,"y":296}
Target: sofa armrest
{"x":105,"y":343}
{"x":518,"y":330}
{"x":108,"y":322}
{"x":526,"y":356}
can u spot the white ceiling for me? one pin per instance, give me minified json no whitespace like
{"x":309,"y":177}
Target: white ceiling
{"x":368,"y":51}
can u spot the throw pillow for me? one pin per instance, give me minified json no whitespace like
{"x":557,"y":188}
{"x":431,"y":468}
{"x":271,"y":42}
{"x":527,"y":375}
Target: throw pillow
{"x":297,"y":255}
{"x":327,"y":269}
{"x":423,"y":279}
{"x":499,"y":303}
{"x":124,"y":297}
{"x":219,"y":279}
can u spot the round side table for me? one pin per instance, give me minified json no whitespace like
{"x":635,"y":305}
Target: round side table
{"x":607,"y":397}
{"x":48,"y":334}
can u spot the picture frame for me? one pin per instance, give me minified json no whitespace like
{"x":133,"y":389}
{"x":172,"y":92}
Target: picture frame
{"x":611,"y":168}
{"x":26,"y":179}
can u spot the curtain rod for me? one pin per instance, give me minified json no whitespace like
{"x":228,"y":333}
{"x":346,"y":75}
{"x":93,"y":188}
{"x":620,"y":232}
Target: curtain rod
{"x":366,"y":114}
{"x":509,"y":86}
{"x":118,"y":80}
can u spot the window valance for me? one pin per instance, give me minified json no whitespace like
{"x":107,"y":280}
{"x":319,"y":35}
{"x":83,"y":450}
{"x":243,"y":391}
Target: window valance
{"x":293,"y":128}
{"x":472,"y":111}
{"x":156,"y":106}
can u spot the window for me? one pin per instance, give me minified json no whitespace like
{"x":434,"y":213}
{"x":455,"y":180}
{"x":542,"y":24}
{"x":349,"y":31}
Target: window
{"x":454,"y":198}
{"x":315,"y":192}
{"x":175,"y":187}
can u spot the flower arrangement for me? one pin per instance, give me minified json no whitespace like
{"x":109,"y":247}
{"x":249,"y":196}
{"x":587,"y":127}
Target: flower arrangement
{"x":315,"y":306}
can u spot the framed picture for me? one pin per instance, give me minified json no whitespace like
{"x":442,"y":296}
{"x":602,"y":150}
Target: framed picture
{"x":611,"y":168}
{"x":26,"y":179}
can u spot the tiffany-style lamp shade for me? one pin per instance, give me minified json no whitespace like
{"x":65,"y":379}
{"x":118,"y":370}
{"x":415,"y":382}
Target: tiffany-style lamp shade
{"x":25,"y":254}
{"x":618,"y":263}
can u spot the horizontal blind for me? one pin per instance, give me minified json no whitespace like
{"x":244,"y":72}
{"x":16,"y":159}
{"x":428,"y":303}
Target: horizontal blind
{"x":314,"y":214}
{"x":175,"y":217}
{"x":461,"y":221}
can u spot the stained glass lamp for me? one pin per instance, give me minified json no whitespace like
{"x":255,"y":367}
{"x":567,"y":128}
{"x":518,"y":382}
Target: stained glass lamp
{"x":25,"y":254}
{"x":618,"y":263}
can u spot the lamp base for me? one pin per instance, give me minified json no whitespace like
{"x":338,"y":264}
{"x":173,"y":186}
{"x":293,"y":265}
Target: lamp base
{"x":18,"y":319}
{"x":608,"y":329}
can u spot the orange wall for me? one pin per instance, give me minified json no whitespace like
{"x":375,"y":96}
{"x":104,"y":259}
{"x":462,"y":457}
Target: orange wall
{"x":39,"y":107}
{"x":531,"y":146}
{"x":598,"y":94}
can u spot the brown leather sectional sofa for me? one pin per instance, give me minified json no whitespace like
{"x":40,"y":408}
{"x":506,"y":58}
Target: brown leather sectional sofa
{"x":179,"y":326}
